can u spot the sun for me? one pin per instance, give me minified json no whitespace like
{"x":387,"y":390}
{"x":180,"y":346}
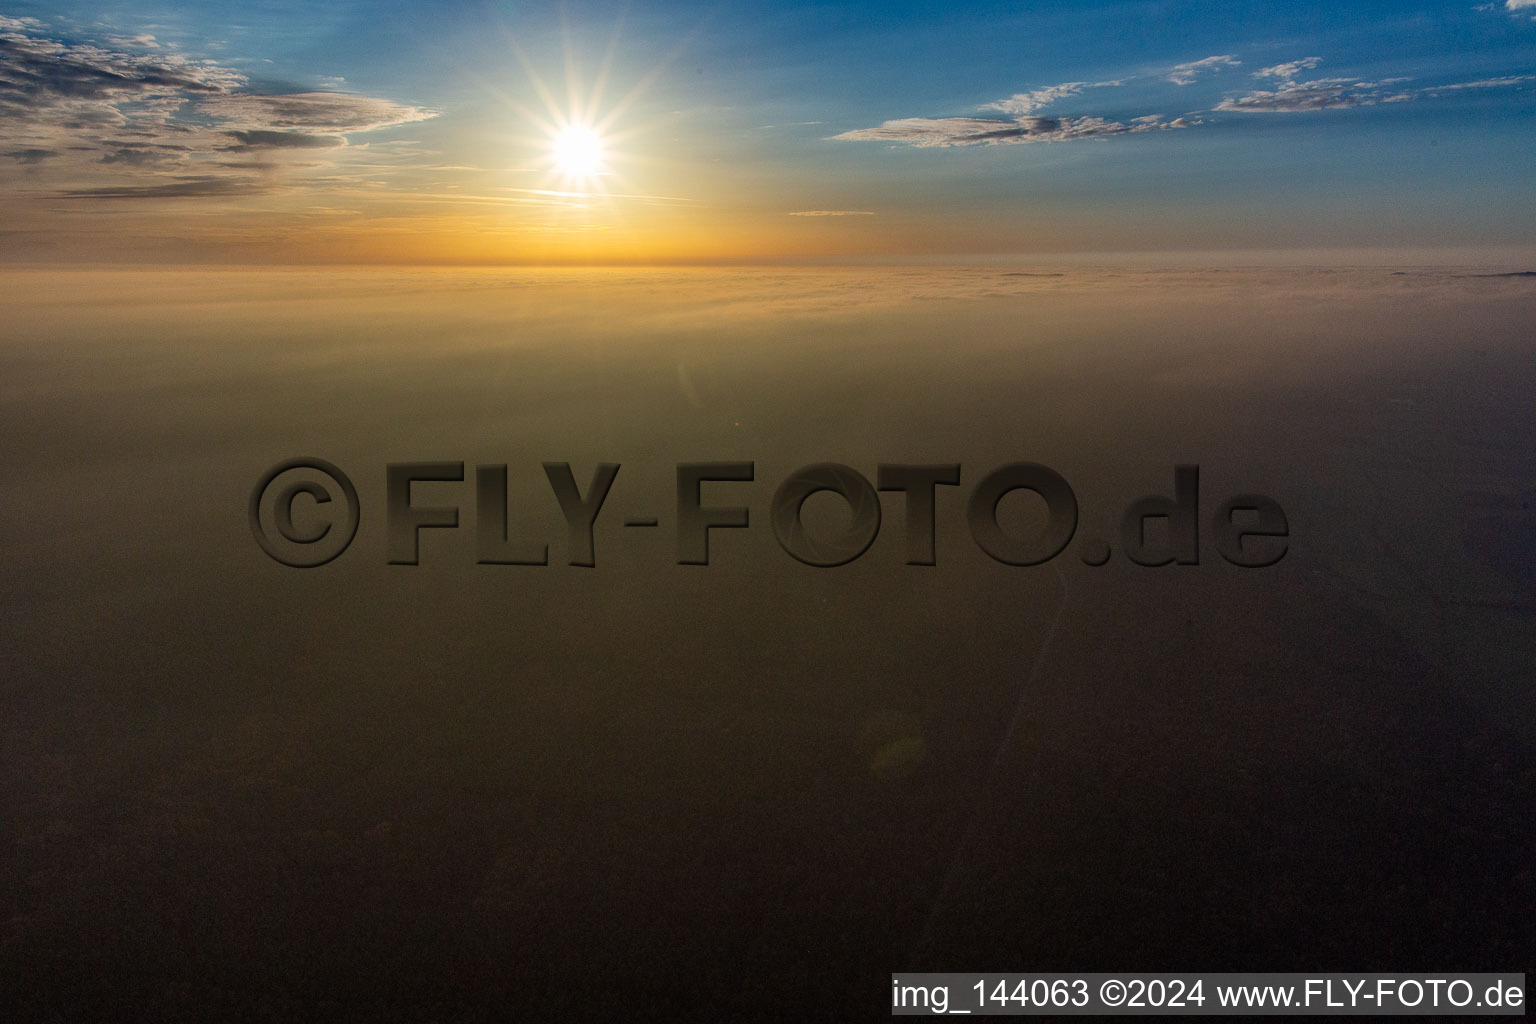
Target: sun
{"x":577,"y":152}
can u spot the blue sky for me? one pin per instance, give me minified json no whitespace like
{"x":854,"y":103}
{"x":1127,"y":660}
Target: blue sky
{"x":738,"y":131}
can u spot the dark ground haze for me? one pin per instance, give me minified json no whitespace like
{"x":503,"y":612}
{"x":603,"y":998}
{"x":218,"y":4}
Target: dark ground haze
{"x":234,"y":790}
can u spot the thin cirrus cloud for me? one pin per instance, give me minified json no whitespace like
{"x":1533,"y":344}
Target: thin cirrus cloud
{"x":1289,"y":70}
{"x":927,"y":133}
{"x":132,"y":108}
{"x":1284,"y":91}
{"x":180,"y":189}
{"x":144,"y":40}
{"x":1186,"y":74}
{"x":1289,"y":95}
{"x":1028,"y":125}
{"x":831,"y":213}
{"x":1516,"y":7}
{"x":1029,"y":102}
{"x":283,"y":140}
{"x":31,"y":156}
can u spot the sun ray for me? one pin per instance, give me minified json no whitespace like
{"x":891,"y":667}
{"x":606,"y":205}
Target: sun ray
{"x":580,"y":134}
{"x":605,"y":66}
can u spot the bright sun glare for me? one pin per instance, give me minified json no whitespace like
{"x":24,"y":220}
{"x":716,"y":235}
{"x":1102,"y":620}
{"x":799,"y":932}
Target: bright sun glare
{"x":577,"y":152}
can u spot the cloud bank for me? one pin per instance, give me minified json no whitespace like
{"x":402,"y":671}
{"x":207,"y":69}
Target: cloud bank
{"x":131,"y":108}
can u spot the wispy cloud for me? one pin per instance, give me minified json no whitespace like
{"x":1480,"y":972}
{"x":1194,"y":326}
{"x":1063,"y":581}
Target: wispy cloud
{"x":143,"y":40}
{"x":335,"y":112}
{"x":831,"y":213}
{"x":1029,"y":102}
{"x":1485,"y":83}
{"x":284,"y":140}
{"x":184,"y":189}
{"x":1292,"y":96}
{"x":1288,"y":71}
{"x":1026,"y":125}
{"x":1283,"y":91}
{"x":1328,"y":94}
{"x":980,"y":131}
{"x":1518,"y":7}
{"x":1185,"y":74}
{"x":31,"y":156}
